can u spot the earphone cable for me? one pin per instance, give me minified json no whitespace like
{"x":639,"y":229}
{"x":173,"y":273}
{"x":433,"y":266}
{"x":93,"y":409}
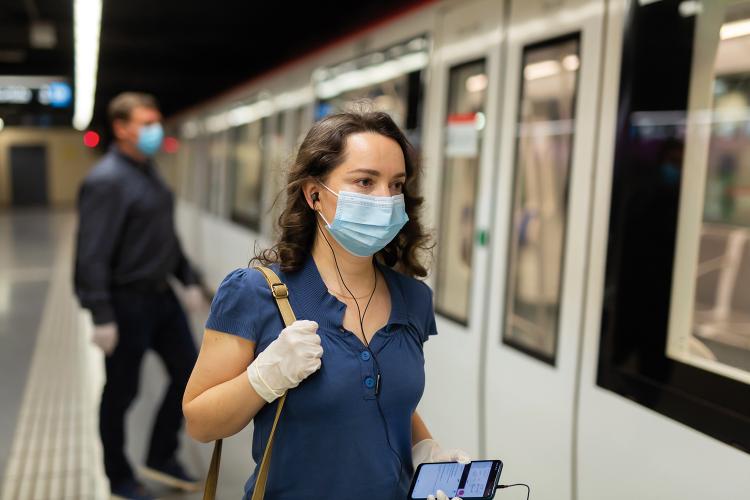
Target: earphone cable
{"x":528,"y":488}
{"x":367,"y":344}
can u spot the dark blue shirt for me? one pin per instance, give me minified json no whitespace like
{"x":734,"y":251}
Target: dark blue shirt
{"x":333,"y":441}
{"x":126,"y":235}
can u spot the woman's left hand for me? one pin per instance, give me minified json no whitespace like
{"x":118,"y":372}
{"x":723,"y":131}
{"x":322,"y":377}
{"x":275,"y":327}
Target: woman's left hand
{"x":441,"y":496}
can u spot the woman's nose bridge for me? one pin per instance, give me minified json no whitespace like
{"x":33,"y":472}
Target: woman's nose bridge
{"x":383,"y":188}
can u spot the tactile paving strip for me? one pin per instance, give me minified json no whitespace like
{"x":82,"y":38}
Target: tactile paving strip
{"x":56,"y":452}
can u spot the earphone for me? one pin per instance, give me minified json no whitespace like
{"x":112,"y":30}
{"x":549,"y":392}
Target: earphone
{"x":315,"y":197}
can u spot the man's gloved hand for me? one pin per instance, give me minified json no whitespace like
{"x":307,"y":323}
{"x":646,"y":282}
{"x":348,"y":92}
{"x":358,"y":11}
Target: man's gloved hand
{"x":105,"y":337}
{"x":441,"y":496}
{"x":429,"y":450}
{"x":194,"y":298}
{"x":287,"y":361}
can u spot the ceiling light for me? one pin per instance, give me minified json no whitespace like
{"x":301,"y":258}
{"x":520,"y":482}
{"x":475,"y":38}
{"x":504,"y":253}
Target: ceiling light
{"x":735,"y":29}
{"x":541,"y":69}
{"x":690,"y":8}
{"x":87,"y":24}
{"x":571,"y":62}
{"x":476,"y":83}
{"x":371,"y":75}
{"x":42,"y":35}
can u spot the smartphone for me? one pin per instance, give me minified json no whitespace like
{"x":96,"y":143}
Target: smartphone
{"x":473,"y":481}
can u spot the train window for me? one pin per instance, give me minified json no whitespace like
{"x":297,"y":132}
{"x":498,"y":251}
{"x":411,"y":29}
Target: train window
{"x":390,"y":96}
{"x":674,"y":334}
{"x":711,"y":329}
{"x":544,"y":145}
{"x":300,"y":126}
{"x":277,"y":154}
{"x":183,"y":168}
{"x":200,"y":171}
{"x":216,"y":156}
{"x":467,"y":91}
{"x":391,"y":79}
{"x":246,"y":173}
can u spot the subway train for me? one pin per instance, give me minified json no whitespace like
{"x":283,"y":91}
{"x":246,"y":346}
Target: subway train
{"x":587,"y":165}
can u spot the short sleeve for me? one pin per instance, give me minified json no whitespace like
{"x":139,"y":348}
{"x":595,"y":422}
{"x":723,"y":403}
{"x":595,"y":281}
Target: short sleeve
{"x":237,"y":304}
{"x":430,"y":328}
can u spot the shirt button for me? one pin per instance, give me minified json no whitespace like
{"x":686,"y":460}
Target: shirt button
{"x":369,"y":382}
{"x":365,"y":355}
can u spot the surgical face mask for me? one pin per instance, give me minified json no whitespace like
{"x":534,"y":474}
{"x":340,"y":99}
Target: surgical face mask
{"x":150,"y":138}
{"x":365,"y":224}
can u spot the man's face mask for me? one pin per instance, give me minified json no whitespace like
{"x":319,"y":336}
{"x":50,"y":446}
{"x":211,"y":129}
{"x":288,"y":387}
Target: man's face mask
{"x":150,"y":138}
{"x":365,"y":224}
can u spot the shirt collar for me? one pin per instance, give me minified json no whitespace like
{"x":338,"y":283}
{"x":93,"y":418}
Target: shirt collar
{"x":313,"y":300}
{"x":147,"y":165}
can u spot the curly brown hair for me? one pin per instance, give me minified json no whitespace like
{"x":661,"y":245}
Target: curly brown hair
{"x":322,"y":150}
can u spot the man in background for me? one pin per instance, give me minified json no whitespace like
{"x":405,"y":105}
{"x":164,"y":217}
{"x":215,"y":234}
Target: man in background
{"x":126,"y":250}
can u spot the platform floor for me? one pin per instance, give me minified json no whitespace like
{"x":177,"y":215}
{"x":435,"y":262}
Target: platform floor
{"x":52,"y":378}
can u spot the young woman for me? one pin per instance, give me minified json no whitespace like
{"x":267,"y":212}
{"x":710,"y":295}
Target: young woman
{"x":353,"y":363}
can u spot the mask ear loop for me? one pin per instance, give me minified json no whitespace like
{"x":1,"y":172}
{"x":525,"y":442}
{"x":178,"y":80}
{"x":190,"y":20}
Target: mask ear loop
{"x":316,"y":199}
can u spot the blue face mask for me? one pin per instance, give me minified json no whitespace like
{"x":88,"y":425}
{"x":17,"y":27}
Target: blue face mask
{"x":365,"y":224}
{"x":150,"y":138}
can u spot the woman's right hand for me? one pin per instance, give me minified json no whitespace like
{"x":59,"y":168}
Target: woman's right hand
{"x":287,"y":361}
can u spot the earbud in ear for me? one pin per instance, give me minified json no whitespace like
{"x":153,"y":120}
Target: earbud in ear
{"x":315,"y":197}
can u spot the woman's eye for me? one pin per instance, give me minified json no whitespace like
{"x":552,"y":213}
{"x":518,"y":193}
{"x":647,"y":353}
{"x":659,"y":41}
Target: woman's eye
{"x":399,"y":186}
{"x":364,"y":182}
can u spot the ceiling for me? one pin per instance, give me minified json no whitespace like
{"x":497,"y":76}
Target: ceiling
{"x":183,"y":51}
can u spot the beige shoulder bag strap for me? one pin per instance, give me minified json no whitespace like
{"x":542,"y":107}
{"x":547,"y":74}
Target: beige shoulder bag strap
{"x":281,"y":294}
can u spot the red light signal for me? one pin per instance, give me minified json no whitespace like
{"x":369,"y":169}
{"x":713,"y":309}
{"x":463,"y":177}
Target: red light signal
{"x":90,"y":139}
{"x":171,"y":144}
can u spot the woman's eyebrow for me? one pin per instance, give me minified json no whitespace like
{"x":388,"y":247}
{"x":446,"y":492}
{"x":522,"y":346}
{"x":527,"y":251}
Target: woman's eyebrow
{"x":368,"y":171}
{"x":374,"y":173}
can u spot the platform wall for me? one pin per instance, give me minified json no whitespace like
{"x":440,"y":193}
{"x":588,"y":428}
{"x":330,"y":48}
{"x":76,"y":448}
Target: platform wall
{"x":68,"y":161}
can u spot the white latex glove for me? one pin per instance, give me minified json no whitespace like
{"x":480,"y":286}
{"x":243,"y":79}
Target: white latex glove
{"x":429,"y":450}
{"x":105,"y":337}
{"x":194,"y":299}
{"x":287,"y":361}
{"x":441,"y":496}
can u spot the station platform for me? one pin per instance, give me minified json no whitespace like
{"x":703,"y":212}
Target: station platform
{"x":53,"y":375}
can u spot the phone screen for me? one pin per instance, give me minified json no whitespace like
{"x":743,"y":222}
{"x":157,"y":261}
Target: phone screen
{"x":472,"y":480}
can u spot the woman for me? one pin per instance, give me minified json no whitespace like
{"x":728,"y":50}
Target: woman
{"x":348,"y":253}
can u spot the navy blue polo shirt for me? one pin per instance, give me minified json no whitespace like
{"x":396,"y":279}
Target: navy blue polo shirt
{"x":333,"y":441}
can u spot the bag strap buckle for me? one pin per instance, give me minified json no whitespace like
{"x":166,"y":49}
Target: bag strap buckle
{"x":279,"y":290}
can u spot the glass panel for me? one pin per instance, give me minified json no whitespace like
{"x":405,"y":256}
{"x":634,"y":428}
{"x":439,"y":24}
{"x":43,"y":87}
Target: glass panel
{"x":389,"y":78}
{"x":389,"y":96}
{"x":543,"y":154}
{"x":717,"y":337}
{"x":246,"y":173}
{"x":277,"y":155}
{"x":467,"y":92}
{"x":199,"y":179}
{"x":214,"y":175}
{"x":300,"y":126}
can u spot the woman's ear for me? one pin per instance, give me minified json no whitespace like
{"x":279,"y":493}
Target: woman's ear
{"x":311,"y":190}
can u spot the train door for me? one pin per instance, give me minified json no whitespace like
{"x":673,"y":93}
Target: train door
{"x":463,"y":91}
{"x":665,"y":390}
{"x":540,"y":228}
